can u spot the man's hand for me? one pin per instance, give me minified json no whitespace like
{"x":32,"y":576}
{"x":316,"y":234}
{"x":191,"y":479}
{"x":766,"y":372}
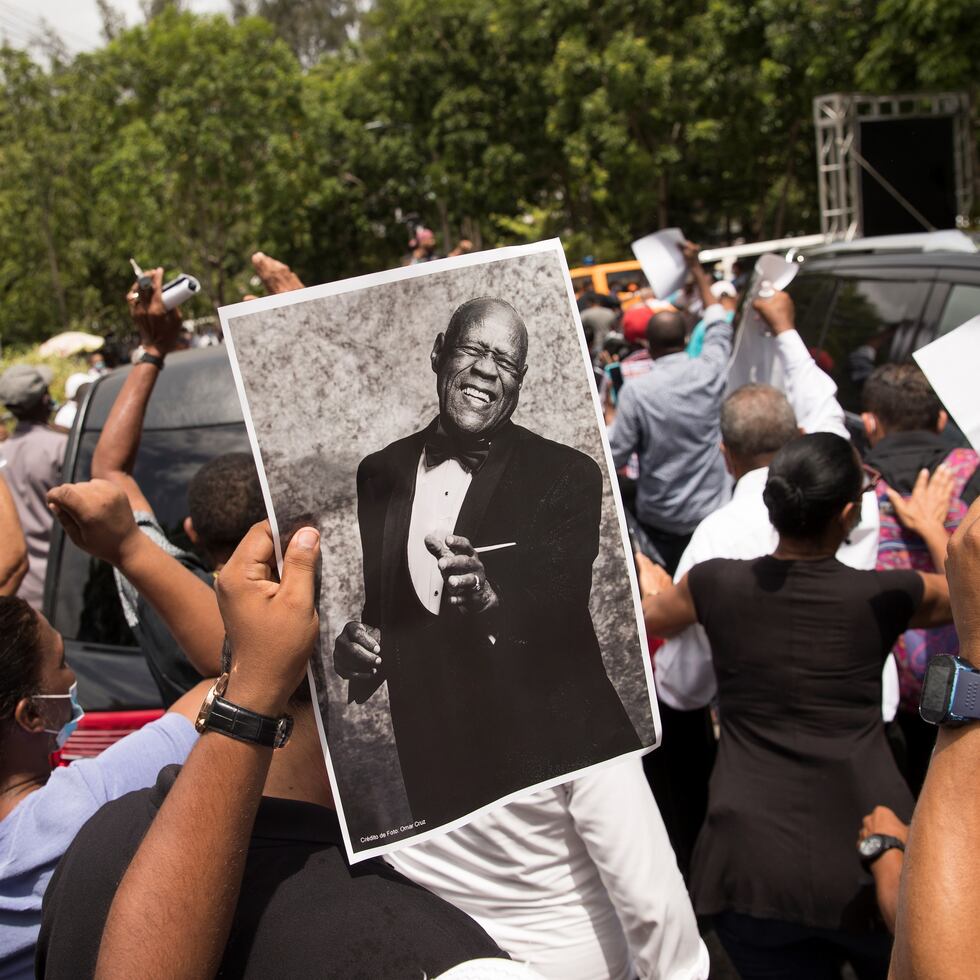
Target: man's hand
{"x":927,"y":507}
{"x":882,"y":820}
{"x":97,"y":517}
{"x":276,"y":276}
{"x":963,"y":573}
{"x":465,"y":578}
{"x":159,"y":328}
{"x":355,"y":652}
{"x":651,"y":577}
{"x":778,"y":311}
{"x":690,"y":252}
{"x":272,"y":626}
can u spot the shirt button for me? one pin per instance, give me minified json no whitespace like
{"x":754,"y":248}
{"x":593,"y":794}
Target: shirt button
{"x":436,"y":592}
{"x":447,"y":493}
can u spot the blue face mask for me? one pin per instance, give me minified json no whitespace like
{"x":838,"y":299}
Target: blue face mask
{"x":77,"y":714}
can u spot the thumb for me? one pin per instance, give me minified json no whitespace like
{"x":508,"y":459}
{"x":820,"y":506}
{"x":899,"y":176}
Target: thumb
{"x":437,"y":546}
{"x":296,"y":584}
{"x":65,"y":497}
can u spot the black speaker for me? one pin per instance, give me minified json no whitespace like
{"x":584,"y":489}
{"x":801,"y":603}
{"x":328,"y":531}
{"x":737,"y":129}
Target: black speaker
{"x":915,"y":156}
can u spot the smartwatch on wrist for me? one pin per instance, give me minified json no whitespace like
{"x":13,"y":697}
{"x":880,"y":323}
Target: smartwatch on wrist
{"x":145,"y":357}
{"x":950,"y":692}
{"x":220,"y":715}
{"x":874,"y":845}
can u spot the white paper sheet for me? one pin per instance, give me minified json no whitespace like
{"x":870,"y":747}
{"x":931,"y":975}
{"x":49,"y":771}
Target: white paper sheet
{"x":950,"y":363}
{"x":754,"y":359}
{"x":662,"y":261}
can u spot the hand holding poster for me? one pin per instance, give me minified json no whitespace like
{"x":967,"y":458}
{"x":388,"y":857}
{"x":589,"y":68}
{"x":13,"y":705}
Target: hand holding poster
{"x":754,"y":356}
{"x":479,"y":633}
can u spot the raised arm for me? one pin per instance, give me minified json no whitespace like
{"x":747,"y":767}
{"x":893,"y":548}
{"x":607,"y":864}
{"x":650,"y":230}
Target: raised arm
{"x":812,"y":393}
{"x":701,"y":279}
{"x":97,"y":516}
{"x":939,"y":904}
{"x":115,"y":452}
{"x":172,"y":913}
{"x":13,"y":547}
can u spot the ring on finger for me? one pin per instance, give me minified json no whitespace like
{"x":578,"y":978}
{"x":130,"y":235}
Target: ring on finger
{"x":478,"y":585}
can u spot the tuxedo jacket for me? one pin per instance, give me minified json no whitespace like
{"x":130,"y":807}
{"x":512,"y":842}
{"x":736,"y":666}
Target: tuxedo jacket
{"x":484,"y":704}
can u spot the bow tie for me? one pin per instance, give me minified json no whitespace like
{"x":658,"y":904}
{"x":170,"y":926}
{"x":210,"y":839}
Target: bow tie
{"x":439,"y":447}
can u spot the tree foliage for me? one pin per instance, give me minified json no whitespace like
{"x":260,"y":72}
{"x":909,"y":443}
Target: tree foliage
{"x":190,"y":141}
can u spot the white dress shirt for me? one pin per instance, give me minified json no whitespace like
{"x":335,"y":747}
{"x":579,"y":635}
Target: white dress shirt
{"x":685,"y":676}
{"x":439,"y":495}
{"x":578,"y":881}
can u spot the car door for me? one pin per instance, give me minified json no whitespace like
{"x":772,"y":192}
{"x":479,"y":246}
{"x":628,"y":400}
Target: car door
{"x":193,"y":416}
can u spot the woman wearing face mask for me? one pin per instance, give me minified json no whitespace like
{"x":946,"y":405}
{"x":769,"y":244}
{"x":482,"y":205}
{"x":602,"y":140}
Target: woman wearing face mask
{"x":40,"y":810}
{"x":798,"y":641}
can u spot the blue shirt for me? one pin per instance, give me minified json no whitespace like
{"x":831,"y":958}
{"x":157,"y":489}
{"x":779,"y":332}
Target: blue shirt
{"x":670,"y":418}
{"x":35,"y":834}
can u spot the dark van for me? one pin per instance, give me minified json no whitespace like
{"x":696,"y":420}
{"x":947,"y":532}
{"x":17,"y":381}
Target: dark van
{"x":194,"y":414}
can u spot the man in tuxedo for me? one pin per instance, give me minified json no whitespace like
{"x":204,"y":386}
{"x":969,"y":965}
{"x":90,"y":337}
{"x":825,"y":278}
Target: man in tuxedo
{"x":478,"y":539}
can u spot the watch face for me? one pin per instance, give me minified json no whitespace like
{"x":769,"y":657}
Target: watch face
{"x":870,"y":846}
{"x":937,"y":688}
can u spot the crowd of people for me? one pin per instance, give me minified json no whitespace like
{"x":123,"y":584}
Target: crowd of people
{"x":797,"y":583}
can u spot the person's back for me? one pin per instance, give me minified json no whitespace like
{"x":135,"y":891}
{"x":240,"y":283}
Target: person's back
{"x":34,"y":454}
{"x":303,"y":910}
{"x":670,"y":416}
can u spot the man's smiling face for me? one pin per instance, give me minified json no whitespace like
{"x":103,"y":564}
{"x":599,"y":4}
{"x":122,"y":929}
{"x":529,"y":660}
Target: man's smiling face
{"x":480,"y":365}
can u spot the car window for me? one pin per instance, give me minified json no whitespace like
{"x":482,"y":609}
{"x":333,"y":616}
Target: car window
{"x":872,"y":322}
{"x":812,"y":296}
{"x":582,"y":282}
{"x":86,"y":606}
{"x":628,"y":280}
{"x":963,"y":304}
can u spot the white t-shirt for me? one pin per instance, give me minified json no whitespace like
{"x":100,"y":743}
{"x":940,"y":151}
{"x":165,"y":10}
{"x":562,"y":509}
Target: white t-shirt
{"x":578,"y":881}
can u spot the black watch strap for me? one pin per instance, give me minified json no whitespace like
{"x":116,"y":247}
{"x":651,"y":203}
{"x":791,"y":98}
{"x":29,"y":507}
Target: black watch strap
{"x":248,"y":726}
{"x":147,"y":358}
{"x":884,"y":843}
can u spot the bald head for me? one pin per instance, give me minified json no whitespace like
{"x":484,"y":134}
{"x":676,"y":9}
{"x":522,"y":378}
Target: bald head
{"x":484,"y":310}
{"x":480,"y":363}
{"x":757,"y":421}
{"x":666,"y":333}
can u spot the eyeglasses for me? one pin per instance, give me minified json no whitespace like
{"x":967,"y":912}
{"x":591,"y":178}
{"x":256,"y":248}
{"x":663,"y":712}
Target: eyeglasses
{"x":474,"y":352}
{"x":871,"y":479}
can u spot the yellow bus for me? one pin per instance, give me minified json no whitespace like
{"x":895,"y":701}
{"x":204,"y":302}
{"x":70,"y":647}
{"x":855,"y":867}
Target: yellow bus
{"x":623,"y":280}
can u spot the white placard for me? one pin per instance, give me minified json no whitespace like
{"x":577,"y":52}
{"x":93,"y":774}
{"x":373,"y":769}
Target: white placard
{"x":662,"y":260}
{"x":950,"y":363}
{"x":754,"y":359}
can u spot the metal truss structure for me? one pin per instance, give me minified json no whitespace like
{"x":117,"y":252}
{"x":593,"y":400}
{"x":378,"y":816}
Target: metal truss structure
{"x":837,"y":119}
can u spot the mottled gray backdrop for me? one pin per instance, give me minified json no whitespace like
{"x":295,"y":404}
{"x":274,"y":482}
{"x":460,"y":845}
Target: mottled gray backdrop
{"x":333,"y":379}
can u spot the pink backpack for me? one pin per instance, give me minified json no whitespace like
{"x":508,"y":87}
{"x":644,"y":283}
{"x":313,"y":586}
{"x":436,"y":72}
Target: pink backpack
{"x":899,"y":548}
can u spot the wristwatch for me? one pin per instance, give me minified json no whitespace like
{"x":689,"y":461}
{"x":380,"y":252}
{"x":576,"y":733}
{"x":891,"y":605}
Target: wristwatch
{"x":950,"y":692}
{"x":145,"y":357}
{"x":874,"y":845}
{"x":219,"y":715}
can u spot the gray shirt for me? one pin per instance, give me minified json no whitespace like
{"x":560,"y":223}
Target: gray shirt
{"x":670,"y":417}
{"x":34,"y":454}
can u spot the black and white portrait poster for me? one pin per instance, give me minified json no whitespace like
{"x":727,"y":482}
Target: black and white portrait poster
{"x":480,"y":629}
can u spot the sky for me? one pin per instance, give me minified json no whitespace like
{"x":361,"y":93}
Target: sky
{"x":76,"y":21}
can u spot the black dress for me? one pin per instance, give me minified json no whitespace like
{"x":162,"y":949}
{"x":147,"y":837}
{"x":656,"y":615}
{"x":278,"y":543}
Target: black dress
{"x":798,"y":649}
